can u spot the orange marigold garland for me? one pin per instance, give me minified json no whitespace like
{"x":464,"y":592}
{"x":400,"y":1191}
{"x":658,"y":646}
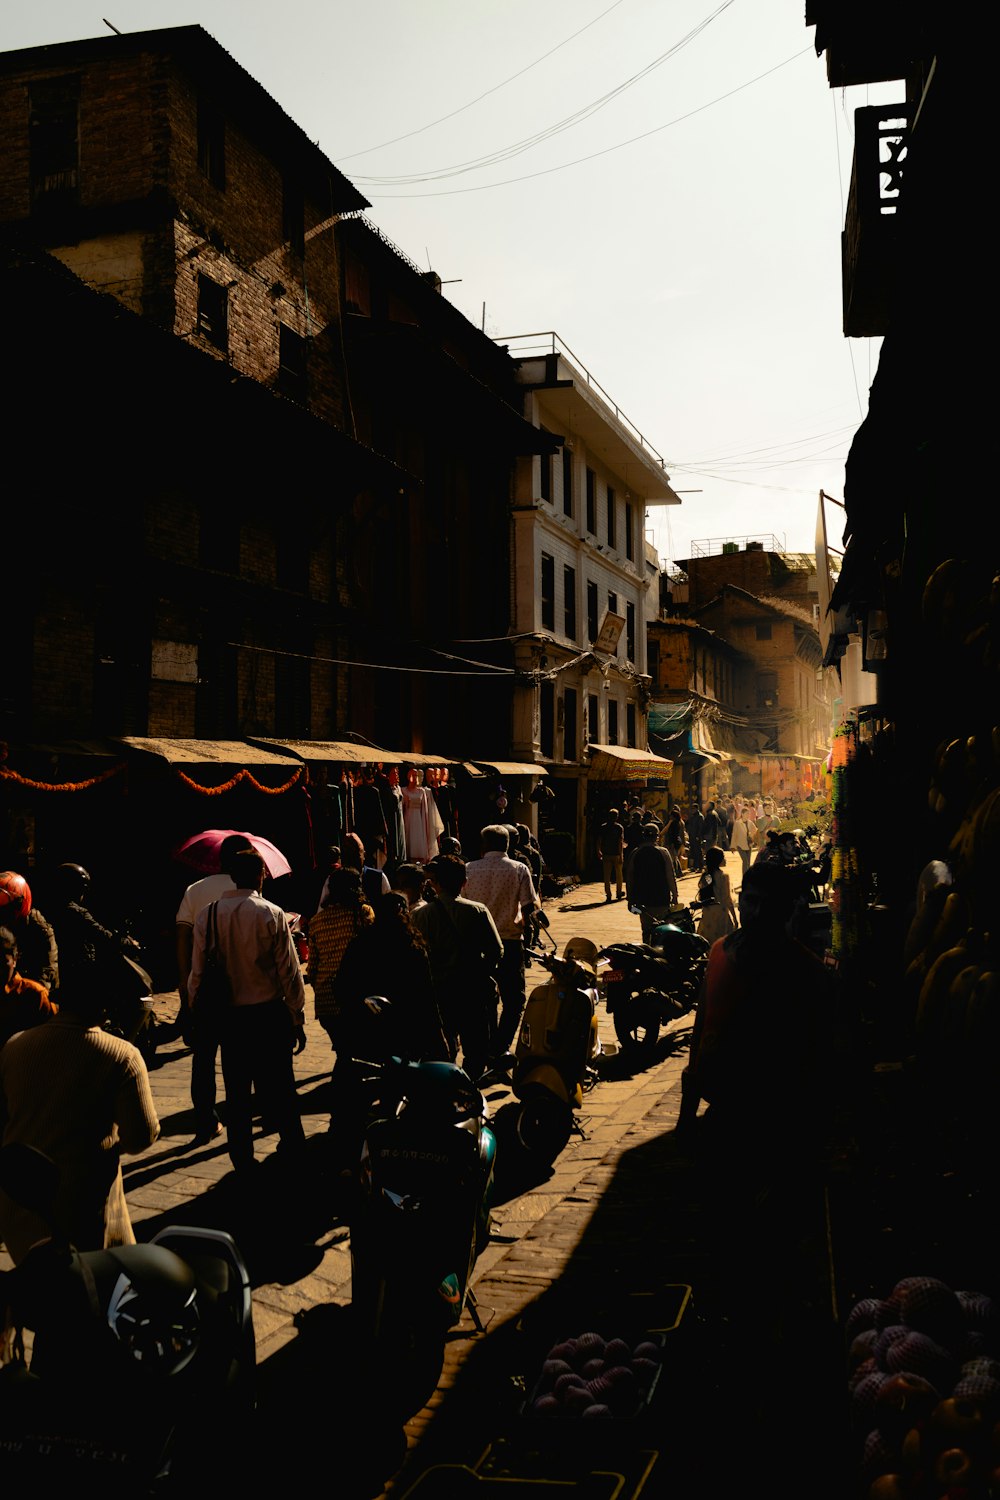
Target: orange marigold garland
{"x":63,"y":786}
{"x":242,"y":775}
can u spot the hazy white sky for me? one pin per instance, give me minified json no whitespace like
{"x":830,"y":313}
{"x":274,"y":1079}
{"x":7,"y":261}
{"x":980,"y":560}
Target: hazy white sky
{"x":660,"y":182}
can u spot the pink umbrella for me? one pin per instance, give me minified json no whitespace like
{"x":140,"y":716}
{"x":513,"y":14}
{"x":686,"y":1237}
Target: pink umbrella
{"x":203,"y":851}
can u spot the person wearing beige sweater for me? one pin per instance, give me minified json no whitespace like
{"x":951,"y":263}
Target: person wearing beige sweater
{"x":80,"y":1095}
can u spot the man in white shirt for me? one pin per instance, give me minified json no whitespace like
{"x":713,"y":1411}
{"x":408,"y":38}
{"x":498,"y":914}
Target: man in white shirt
{"x":505,"y":887}
{"x":203,"y":1039}
{"x":264,"y":1023}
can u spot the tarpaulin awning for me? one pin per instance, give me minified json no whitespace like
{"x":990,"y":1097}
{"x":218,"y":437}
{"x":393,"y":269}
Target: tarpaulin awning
{"x":348,"y":753}
{"x":416,"y":758}
{"x":206,"y":752}
{"x":509,"y":768}
{"x":342,"y":751}
{"x":668,"y":719}
{"x":622,"y":763}
{"x":703,"y":742}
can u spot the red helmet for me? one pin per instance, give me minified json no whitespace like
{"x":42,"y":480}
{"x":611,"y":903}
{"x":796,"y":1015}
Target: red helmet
{"x":15,"y":895}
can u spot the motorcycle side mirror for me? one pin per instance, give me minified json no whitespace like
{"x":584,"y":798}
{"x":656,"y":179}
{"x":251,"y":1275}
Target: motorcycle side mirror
{"x":499,"y":1072}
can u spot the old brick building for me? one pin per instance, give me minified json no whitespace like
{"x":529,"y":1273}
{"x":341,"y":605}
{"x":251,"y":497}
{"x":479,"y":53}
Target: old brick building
{"x":159,"y":171}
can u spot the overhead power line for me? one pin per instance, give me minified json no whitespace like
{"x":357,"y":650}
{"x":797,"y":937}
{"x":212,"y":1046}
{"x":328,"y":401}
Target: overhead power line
{"x":486,"y":92}
{"x":506,"y":153}
{"x":607,"y":150}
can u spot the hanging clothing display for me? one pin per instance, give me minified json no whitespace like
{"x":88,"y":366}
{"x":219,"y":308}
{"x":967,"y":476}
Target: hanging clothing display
{"x":392,"y":810}
{"x":422,"y":823}
{"x":369,"y":819}
{"x":444,"y":797}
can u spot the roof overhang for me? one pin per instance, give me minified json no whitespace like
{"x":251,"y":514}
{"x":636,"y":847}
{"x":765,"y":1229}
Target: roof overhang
{"x":583,"y":415}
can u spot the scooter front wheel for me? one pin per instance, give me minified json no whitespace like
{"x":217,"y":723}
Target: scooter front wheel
{"x":543,"y":1125}
{"x":637,"y":1023}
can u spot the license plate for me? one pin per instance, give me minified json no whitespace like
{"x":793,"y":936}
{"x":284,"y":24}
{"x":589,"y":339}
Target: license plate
{"x":613,"y":976}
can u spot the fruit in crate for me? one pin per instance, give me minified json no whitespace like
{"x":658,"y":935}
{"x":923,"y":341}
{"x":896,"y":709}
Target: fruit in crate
{"x":595,"y":1378}
{"x":923,"y":1368}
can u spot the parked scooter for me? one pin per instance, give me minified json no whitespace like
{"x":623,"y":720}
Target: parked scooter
{"x":555,"y":1057}
{"x":649,"y":985}
{"x":422,"y":1212}
{"x":126,"y":1370}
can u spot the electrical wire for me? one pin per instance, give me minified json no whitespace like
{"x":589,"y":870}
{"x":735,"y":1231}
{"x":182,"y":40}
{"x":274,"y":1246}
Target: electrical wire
{"x":351,"y":156}
{"x":607,"y":150}
{"x":506,"y":153}
{"x":374,"y":666}
{"x":749,"y":453}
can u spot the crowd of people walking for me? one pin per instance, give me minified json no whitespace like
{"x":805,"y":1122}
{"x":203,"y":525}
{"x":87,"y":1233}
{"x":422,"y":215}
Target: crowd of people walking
{"x":441,"y":943}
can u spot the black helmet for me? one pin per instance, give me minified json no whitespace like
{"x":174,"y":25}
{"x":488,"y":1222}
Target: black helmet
{"x":73,"y":882}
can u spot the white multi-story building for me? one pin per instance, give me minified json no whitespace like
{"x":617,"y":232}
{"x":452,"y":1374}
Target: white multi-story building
{"x":580,"y":580}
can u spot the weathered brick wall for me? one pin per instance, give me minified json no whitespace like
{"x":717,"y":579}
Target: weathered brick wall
{"x":172,"y":710}
{"x":138,"y":135}
{"x":63,"y":662}
{"x":121,"y":151}
{"x":235,"y":235}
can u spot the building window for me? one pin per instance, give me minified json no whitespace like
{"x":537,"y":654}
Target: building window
{"x":612,"y":721}
{"x":54,"y":142}
{"x":612,"y":518}
{"x":763,"y":632}
{"x":630,"y":631}
{"x":629,"y":531}
{"x":293,"y":215}
{"x":212,"y":143}
{"x":569,"y":602}
{"x":547,"y":719}
{"x":592,"y":502}
{"x":292,"y":364}
{"x":213,"y":312}
{"x":593,"y":722}
{"x":545,"y":485}
{"x":630,"y":724}
{"x":592,"y":621}
{"x":567,"y":478}
{"x":653,"y":661}
{"x":291,"y":558}
{"x":292,"y":692}
{"x":218,"y":538}
{"x":569,"y":724}
{"x":548,"y":591}
{"x":612,"y":601}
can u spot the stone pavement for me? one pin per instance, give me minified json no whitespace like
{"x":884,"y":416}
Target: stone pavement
{"x":621,"y":1236}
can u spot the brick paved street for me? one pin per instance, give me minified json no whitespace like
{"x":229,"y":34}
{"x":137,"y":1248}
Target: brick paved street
{"x":609,"y":1236}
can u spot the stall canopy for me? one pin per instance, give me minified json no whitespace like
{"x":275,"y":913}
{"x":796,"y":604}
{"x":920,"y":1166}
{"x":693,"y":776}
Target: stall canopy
{"x":346,"y":752}
{"x":206,"y":752}
{"x":507,"y":768}
{"x":621,"y":763}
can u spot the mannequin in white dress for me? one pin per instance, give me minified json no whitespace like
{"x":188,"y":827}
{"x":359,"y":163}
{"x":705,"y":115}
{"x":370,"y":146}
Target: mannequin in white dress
{"x":421,"y":819}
